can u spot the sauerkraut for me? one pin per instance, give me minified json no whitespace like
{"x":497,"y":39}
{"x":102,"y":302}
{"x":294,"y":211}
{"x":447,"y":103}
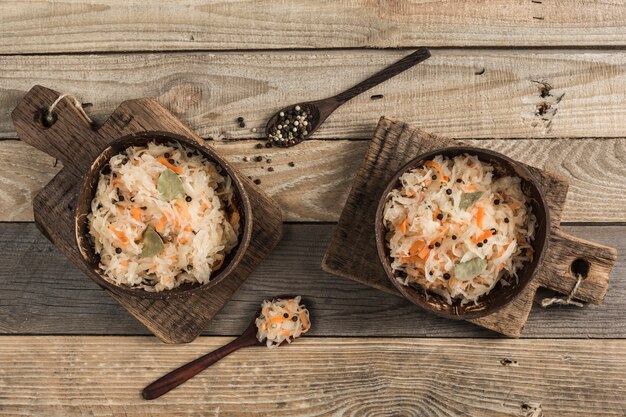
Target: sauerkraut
{"x":282,"y":320}
{"x":162,"y":215}
{"x":455,"y":230}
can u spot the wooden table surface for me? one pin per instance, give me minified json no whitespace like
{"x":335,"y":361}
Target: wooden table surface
{"x":542,"y":81}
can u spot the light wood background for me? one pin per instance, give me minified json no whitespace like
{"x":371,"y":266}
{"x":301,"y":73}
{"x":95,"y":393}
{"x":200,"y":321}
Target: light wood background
{"x":543,"y":81}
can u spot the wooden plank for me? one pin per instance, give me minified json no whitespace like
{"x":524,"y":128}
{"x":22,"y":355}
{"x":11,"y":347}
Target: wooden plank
{"x":316,"y":187}
{"x":42,"y":293}
{"x":117,"y":25}
{"x":458,"y":93}
{"x":327,"y":377}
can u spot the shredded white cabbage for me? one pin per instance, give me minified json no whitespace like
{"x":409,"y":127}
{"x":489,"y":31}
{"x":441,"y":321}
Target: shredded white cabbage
{"x":197,"y":229}
{"x":449,"y":212}
{"x":282,"y":320}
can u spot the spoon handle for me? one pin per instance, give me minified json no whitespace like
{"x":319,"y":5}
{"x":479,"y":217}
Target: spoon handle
{"x":391,"y":71}
{"x":186,"y":372}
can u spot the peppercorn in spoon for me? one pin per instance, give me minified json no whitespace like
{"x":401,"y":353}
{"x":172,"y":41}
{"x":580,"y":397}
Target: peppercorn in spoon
{"x":280,"y":320}
{"x":297,"y":122}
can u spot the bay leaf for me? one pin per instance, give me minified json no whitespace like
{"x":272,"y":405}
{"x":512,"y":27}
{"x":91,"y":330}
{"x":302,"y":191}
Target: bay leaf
{"x":152,"y":243}
{"x":468,"y":199}
{"x":170,"y":186}
{"x":469,"y":269}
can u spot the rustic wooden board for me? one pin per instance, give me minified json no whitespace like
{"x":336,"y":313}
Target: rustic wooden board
{"x":316,"y":187}
{"x":173,"y":320}
{"x":352,"y":251}
{"x":327,"y":377}
{"x":473,"y":93}
{"x":41,"y":292}
{"x":117,"y":25}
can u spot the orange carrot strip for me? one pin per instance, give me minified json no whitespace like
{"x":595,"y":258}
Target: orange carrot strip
{"x":416,"y":247}
{"x":483,"y":236}
{"x":136,"y":213}
{"x":174,"y":168}
{"x":402,"y":227}
{"x":424,"y":252}
{"x":513,"y":205}
{"x":480,"y":214}
{"x":161,"y":224}
{"x":121,"y":236}
{"x":470,"y":187}
{"x":438,"y":168}
{"x":436,"y":213}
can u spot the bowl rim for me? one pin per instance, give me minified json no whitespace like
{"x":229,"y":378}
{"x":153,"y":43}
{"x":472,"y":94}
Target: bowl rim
{"x":87,"y":191}
{"x":381,"y":241}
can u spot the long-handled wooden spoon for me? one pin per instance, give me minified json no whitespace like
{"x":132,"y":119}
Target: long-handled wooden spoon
{"x":291,"y":119}
{"x":178,"y":376}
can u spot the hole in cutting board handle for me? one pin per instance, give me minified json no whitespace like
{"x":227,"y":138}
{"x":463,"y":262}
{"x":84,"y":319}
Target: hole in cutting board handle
{"x":45,"y":119}
{"x":580,"y":266}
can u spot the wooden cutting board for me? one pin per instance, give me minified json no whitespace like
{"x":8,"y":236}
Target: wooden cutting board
{"x":352,"y":251}
{"x":173,"y":320}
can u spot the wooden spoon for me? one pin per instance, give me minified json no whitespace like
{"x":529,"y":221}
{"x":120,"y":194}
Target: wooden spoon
{"x":319,"y":110}
{"x":184,"y":373}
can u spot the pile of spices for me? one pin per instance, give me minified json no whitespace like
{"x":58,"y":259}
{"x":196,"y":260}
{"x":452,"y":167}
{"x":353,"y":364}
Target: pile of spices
{"x":291,"y":127}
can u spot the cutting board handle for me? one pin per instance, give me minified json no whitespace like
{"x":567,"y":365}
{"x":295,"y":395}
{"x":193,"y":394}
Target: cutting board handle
{"x":66,"y":135}
{"x":569,"y":256}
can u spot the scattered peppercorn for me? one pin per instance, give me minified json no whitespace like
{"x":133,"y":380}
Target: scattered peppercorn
{"x":446,"y":276}
{"x":506,"y":220}
{"x":118,"y":250}
{"x":459,"y":180}
{"x":448,"y":191}
{"x":496,"y":202}
{"x":242,"y":124}
{"x":437,"y":244}
{"x":269,"y":161}
{"x":453,"y":237}
{"x":286,"y":315}
{"x":485,"y":241}
{"x":430,"y":246}
{"x":120,"y":198}
{"x":166,"y":154}
{"x":240,"y":119}
{"x":294,"y":318}
{"x":171,"y":161}
{"x":189,"y":154}
{"x":434,"y":177}
{"x":479,"y":244}
{"x":258,"y":158}
{"x":259,"y":146}
{"x":291,"y":164}
{"x":188,"y":199}
{"x":257,"y":181}
{"x":439,"y":216}
{"x":189,"y":267}
{"x":268,"y":144}
{"x":270,"y":169}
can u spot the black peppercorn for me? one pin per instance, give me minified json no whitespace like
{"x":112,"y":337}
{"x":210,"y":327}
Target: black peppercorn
{"x":258,"y":158}
{"x":439,"y":216}
{"x":242,"y":124}
{"x":189,"y":154}
{"x":446,"y":276}
{"x":291,"y":164}
{"x":434,"y":177}
{"x":189,"y":267}
{"x":286,"y":315}
{"x":120,"y":198}
{"x":240,"y":119}
{"x":257,"y":181}
{"x":430,"y":246}
{"x":506,"y":220}
{"x":453,"y":237}
{"x":268,"y":145}
{"x":294,"y":318}
{"x":459,"y":180}
{"x":259,"y":146}
{"x":118,"y":250}
{"x":485,"y":241}
{"x":493,"y":231}
{"x":188,"y":199}
{"x":448,"y":191}
{"x":496,"y":202}
{"x":171,"y":161}
{"x":479,"y":244}
{"x":166,"y":154}
{"x":270,"y":169}
{"x":437,"y":244}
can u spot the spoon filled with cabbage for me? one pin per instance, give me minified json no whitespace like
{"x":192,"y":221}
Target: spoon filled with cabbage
{"x":278,"y":321}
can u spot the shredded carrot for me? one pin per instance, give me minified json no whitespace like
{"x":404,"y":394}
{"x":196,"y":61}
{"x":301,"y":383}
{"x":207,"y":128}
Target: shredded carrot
{"x":187,"y":228}
{"x":121,"y":236}
{"x":136,"y":213}
{"x":482,"y":236}
{"x":470,"y":187}
{"x":438,"y":168}
{"x":480,"y":214}
{"x":304,"y":319}
{"x":417,"y":247}
{"x":124,"y":263}
{"x":174,"y":168}
{"x":403,"y":227}
{"x":161,"y":224}
{"x":424,"y":252}
{"x":513,"y":205}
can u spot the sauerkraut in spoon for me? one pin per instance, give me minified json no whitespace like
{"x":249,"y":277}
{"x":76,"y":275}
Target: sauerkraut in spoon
{"x":281,"y":320}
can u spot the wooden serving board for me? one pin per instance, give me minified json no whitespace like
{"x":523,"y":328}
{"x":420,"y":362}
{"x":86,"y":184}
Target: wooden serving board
{"x":173,"y":320}
{"x":352,"y":251}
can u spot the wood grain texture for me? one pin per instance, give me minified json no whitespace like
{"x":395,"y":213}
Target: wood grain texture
{"x":116,"y":25}
{"x":173,"y":319}
{"x":327,"y":377}
{"x":352,"y":252}
{"x":43,"y":293}
{"x":316,"y":187}
{"x":473,"y":93}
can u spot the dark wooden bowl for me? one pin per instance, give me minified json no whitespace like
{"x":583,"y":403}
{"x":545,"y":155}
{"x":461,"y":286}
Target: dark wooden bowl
{"x":500,"y":296}
{"x":87,"y":193}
